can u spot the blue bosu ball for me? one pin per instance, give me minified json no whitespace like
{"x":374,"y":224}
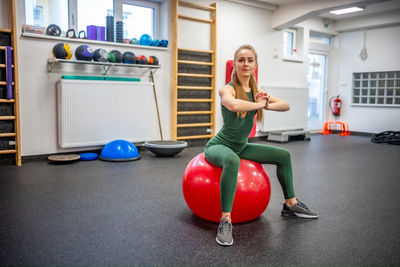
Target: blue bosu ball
{"x":119,"y":150}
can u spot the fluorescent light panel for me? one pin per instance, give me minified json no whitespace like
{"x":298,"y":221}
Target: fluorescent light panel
{"x":346,"y":10}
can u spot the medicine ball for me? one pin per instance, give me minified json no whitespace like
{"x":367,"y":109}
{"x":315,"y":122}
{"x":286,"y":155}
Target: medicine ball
{"x":141,"y":59}
{"x":128,"y":57}
{"x":155,"y":42}
{"x":153,"y":60}
{"x":145,"y":39}
{"x":164,"y":43}
{"x":115,"y":56}
{"x":84,"y":52}
{"x":100,"y":55}
{"x":53,"y":30}
{"x":134,"y":41}
{"x":62,"y":51}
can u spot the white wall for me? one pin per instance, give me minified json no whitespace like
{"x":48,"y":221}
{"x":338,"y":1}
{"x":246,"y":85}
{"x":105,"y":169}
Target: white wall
{"x":237,"y":24}
{"x":38,"y":110}
{"x":383,"y":55}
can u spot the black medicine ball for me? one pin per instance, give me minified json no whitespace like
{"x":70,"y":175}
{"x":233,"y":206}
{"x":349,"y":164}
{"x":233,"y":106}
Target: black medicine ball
{"x":100,"y":55}
{"x":62,"y":51}
{"x":84,"y":52}
{"x":115,"y":56}
{"x":128,"y":58}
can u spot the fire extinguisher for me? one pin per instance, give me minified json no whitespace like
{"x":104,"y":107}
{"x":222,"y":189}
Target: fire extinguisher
{"x":335,"y":107}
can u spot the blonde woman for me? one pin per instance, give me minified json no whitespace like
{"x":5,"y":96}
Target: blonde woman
{"x":240,"y":101}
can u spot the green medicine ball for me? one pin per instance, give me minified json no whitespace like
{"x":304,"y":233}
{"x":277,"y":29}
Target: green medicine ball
{"x":115,"y":56}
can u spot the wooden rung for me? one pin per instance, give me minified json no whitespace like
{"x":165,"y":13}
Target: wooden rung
{"x":200,"y":112}
{"x":9,"y":151}
{"x":197,"y":51}
{"x":5,"y":83}
{"x":7,"y":100}
{"x":195,"y":62}
{"x":196,"y":75}
{"x":5,"y":30}
{"x":181,"y":87}
{"x":195,"y":19}
{"x":4,"y":48}
{"x":194,"y":137}
{"x":7,"y":118}
{"x":4,"y":65}
{"x":194,"y":100}
{"x":188,"y":125}
{"x":7,"y":134}
{"x":193,"y":5}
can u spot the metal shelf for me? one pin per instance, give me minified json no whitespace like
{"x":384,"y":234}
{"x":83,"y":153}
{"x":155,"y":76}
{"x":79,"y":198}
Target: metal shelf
{"x":105,"y":65}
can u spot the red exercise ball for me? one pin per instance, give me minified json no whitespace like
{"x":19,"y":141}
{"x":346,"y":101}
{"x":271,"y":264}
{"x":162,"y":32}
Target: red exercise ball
{"x":201,"y":190}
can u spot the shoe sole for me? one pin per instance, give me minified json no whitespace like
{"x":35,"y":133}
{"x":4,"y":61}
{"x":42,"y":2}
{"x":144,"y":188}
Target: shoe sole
{"x":224,"y":243}
{"x":300,"y":215}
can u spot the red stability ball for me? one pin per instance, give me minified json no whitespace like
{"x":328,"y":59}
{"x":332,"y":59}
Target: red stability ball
{"x":201,"y":190}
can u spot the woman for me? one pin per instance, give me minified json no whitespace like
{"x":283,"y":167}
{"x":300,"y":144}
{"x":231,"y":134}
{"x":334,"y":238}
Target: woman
{"x":240,"y":101}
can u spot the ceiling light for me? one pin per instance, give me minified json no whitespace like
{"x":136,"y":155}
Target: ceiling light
{"x":346,"y":10}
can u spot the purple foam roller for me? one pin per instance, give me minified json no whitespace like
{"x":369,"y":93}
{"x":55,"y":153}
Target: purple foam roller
{"x":9,"y":76}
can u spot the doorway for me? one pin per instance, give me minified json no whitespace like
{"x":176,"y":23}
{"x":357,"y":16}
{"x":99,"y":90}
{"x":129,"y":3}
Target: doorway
{"x":316,"y":81}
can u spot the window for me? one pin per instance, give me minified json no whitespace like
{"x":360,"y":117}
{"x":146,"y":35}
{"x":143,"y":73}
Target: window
{"x":38,"y":15}
{"x":293,"y":44}
{"x":321,"y":39}
{"x":93,"y":14}
{"x":138,"y":17}
{"x":44,"y":13}
{"x":289,"y":43}
{"x":376,"y":88}
{"x":133,"y":16}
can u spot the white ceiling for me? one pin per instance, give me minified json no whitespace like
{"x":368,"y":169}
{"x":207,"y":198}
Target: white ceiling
{"x":385,"y":6}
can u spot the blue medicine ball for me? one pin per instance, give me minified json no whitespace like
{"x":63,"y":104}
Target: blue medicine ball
{"x":145,"y":39}
{"x":84,"y":52}
{"x":164,"y":43}
{"x":134,"y":41}
{"x":156,"y":43}
{"x":128,"y":57}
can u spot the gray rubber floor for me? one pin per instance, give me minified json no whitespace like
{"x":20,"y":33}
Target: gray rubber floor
{"x":100,"y":213}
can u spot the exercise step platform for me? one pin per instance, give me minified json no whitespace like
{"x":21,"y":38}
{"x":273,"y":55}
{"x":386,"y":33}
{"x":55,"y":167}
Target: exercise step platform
{"x":286,"y":136}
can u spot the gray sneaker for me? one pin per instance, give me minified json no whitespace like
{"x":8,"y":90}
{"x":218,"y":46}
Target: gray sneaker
{"x":299,"y":210}
{"x":224,"y":233}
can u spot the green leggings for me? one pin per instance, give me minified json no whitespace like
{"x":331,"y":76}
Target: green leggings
{"x":225,"y":158}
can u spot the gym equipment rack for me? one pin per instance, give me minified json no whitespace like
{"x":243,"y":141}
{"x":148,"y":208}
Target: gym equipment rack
{"x":193,"y":80}
{"x":10,"y":142}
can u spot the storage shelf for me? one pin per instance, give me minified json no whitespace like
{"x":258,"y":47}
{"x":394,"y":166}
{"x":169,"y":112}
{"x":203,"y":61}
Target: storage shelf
{"x":106,"y":65}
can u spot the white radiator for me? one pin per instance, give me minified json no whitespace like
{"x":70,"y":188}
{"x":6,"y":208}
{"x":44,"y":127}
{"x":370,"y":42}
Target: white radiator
{"x":97,"y":112}
{"x":295,"y":118}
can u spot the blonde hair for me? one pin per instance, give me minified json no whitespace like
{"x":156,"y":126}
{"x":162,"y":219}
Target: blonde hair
{"x":239,"y":91}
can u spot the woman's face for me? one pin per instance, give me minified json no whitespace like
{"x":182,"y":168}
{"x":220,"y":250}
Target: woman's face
{"x":245,"y":63}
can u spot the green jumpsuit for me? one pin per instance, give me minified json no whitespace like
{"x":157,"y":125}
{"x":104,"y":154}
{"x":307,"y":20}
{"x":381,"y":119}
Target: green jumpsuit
{"x":230,"y":145}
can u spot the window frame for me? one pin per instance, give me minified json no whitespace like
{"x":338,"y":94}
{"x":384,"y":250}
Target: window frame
{"x":149,"y":4}
{"x":117,"y":9}
{"x":372,"y":89}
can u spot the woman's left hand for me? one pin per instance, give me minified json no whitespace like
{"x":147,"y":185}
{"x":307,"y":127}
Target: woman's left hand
{"x":262,"y":95}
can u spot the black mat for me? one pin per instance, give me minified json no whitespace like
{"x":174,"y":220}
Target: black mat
{"x":98,"y":213}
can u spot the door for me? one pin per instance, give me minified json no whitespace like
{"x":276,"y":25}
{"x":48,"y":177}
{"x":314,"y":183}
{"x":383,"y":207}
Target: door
{"x":316,"y":81}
